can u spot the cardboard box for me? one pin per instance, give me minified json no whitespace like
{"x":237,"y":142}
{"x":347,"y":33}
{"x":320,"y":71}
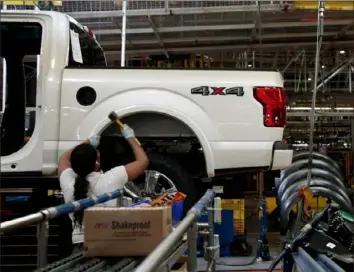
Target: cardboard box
{"x":125,"y":231}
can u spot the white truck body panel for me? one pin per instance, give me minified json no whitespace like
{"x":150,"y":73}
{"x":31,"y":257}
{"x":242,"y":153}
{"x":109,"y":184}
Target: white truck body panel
{"x":41,"y":151}
{"x":230,"y":128}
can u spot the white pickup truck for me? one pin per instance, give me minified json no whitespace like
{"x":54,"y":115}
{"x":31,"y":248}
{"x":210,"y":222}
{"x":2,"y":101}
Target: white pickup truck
{"x":192,"y":122}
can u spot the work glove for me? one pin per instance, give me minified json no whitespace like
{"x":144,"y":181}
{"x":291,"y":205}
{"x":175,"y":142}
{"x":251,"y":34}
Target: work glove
{"x":94,"y":140}
{"x":127,"y":132}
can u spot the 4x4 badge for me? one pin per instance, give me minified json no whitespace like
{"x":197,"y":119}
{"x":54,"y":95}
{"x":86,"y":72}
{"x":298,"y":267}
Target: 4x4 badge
{"x":206,"y":90}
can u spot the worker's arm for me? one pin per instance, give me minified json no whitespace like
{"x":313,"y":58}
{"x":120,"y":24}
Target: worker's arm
{"x":141,"y":162}
{"x":64,"y":160}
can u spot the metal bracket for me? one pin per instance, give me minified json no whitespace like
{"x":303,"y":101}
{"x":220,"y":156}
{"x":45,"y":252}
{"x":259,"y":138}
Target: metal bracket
{"x":42,"y":243}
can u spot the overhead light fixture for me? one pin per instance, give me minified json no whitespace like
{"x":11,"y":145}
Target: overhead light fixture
{"x":323,"y":66}
{"x":249,"y":65}
{"x":309,"y":79}
{"x":341,"y":52}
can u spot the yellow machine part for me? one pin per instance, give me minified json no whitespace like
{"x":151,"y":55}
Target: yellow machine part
{"x":315,"y":202}
{"x":30,"y":3}
{"x":329,"y":5}
{"x":193,"y":61}
{"x":238,"y":207}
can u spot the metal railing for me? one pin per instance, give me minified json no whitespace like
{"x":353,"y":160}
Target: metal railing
{"x":189,"y":225}
{"x":166,"y":254}
{"x":42,"y":217}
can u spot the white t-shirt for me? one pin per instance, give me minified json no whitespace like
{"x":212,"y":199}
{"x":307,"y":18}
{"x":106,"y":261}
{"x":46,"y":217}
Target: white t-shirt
{"x":99,"y":183}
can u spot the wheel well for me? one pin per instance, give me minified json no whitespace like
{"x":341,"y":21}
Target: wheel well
{"x":157,"y":133}
{"x":153,"y":125}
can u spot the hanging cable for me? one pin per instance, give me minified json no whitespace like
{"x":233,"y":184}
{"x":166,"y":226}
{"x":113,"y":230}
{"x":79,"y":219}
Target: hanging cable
{"x":320,"y":22}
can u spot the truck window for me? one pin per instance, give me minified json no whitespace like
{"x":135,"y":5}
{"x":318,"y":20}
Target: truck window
{"x":92,"y":53}
{"x":20,"y":45}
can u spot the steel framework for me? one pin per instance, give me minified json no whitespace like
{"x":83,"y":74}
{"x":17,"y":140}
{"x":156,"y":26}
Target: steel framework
{"x":234,"y":34}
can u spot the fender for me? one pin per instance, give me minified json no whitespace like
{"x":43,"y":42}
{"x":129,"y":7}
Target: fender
{"x":293,"y":188}
{"x":160,"y":101}
{"x":286,"y":207}
{"x":301,"y":164}
{"x":294,"y":177}
{"x":317,"y":156}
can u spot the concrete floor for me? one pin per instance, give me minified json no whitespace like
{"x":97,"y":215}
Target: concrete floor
{"x":275,"y":244}
{"x":257,"y":266}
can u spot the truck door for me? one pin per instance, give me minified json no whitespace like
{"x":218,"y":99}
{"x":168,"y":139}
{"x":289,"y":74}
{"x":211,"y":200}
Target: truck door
{"x":20,"y":51}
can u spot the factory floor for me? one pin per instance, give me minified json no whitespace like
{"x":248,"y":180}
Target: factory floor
{"x":275,"y":242}
{"x":257,"y":266}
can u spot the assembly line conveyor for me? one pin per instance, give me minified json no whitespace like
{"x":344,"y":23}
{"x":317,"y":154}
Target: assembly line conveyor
{"x":166,"y":254}
{"x":161,"y":259}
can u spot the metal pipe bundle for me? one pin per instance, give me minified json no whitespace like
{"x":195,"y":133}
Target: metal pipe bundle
{"x":326,"y":181}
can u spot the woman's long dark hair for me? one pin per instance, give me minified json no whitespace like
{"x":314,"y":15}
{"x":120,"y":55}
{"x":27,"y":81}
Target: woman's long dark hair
{"x":83,"y":160}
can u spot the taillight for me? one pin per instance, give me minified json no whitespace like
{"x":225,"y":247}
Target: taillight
{"x":273,"y":100}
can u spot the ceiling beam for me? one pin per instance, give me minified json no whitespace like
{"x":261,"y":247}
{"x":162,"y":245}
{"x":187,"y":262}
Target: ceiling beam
{"x":169,"y":11}
{"x":204,"y":49}
{"x":217,"y":27}
{"x":158,"y":38}
{"x":221,"y":38}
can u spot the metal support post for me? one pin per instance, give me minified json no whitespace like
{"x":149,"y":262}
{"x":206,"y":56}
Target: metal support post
{"x":350,"y":78}
{"x":38,"y":56}
{"x":352,"y":132}
{"x":124,"y":31}
{"x":192,"y":265}
{"x":120,"y":199}
{"x":4,"y":75}
{"x":305,"y":72}
{"x":259,"y":23}
{"x":42,"y":243}
{"x":210,"y":249}
{"x":245,"y":59}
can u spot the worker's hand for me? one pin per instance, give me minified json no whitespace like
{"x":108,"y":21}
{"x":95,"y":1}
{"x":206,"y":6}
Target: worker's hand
{"x":127,"y":132}
{"x":94,"y":140}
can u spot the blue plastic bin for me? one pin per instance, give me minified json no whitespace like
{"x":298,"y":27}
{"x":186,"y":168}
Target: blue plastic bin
{"x":225,"y":230}
{"x":177,"y":212}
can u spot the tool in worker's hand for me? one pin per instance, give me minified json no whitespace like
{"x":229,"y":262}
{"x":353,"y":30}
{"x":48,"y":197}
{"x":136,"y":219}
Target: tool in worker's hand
{"x":115,"y":118}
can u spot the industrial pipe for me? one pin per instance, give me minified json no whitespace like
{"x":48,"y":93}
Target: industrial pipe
{"x":316,"y":156}
{"x":293,"y":188}
{"x":286,"y":207}
{"x":301,"y":164}
{"x":282,"y":185}
{"x":124,"y":32}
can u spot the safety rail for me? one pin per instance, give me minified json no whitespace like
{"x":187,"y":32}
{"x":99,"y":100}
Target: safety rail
{"x":166,"y":254}
{"x":42,"y":217}
{"x":188,"y":225}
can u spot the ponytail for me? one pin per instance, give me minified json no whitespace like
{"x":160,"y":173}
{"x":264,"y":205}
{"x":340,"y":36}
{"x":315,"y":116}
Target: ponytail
{"x":80,"y":191}
{"x":83,"y":160}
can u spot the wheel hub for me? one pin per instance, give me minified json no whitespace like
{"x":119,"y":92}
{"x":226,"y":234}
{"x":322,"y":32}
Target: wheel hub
{"x":155,"y":184}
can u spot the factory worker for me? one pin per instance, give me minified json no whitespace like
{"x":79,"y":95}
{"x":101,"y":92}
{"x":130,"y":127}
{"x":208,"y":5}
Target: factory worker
{"x":80,"y":175}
